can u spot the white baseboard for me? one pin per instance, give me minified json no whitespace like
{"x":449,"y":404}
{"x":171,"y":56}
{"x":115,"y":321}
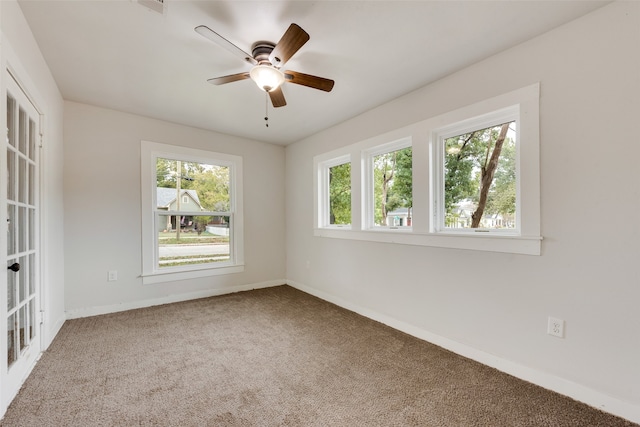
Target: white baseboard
{"x":560,"y":385}
{"x":52,"y":332}
{"x":132,"y":305}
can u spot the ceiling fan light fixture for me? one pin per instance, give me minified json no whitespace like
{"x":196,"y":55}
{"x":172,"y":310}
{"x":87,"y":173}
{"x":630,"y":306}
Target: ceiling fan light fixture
{"x":267,"y":78}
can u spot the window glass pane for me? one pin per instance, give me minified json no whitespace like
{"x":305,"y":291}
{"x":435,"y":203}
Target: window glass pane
{"x":340,"y":194}
{"x":392,"y":188}
{"x":191,"y":186}
{"x":204,"y":240}
{"x":480,"y":178}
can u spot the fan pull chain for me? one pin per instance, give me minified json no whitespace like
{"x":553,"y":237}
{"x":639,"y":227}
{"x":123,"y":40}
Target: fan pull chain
{"x":266,"y":109}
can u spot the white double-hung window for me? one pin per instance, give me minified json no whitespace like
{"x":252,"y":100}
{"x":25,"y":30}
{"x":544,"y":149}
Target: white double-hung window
{"x":192,"y":213}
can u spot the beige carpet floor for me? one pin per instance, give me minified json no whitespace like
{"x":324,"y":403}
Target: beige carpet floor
{"x":271,"y":357}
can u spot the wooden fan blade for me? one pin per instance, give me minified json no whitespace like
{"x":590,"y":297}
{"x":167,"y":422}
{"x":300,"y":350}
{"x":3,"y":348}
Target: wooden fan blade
{"x":207,"y":32}
{"x":292,"y":40}
{"x":277,"y":98}
{"x":308,"y":80}
{"x":228,"y":79}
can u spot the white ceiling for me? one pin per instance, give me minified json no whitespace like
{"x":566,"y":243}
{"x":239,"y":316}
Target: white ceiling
{"x":119,"y":54}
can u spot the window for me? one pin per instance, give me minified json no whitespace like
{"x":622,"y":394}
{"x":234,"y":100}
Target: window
{"x":335,"y":195}
{"x":478,"y":175}
{"x":467,"y":179}
{"x":192,"y":207}
{"x":389,"y":187}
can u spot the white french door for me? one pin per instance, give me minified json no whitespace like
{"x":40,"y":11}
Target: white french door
{"x":21,"y":198}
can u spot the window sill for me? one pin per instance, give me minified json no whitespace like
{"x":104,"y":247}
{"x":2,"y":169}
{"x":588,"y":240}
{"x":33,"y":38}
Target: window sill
{"x":525,"y":245}
{"x":172,"y":276}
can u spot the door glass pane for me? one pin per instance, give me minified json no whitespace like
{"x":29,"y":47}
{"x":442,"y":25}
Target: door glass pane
{"x":11,"y":175}
{"x":32,"y":140}
{"x":32,"y":274}
{"x":32,"y":183}
{"x":11,"y":128}
{"x":22,"y":179}
{"x":32,"y":224}
{"x":22,"y":229}
{"x":22,"y":319}
{"x":22,"y":132}
{"x":11,"y":230}
{"x":11,"y":339}
{"x":11,"y":287}
{"x":32,"y":319}
{"x":22,"y":279}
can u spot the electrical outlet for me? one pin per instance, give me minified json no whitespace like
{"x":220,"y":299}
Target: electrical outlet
{"x":112,"y":276}
{"x":555,"y":327}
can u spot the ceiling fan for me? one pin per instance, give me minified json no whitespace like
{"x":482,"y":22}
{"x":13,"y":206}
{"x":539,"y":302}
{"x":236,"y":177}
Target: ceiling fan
{"x":267,"y":59}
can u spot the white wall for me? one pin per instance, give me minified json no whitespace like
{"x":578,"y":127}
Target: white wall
{"x":102,"y":210}
{"x":21,"y":53}
{"x":492,"y":306}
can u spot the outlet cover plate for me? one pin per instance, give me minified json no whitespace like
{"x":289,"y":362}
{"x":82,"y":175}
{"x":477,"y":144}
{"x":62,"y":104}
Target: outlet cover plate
{"x":555,"y":327}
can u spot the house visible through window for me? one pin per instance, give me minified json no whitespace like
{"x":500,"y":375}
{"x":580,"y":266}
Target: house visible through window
{"x":184,"y":189}
{"x":195,"y":210}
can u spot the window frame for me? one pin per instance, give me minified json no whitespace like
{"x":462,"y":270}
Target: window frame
{"x":494,"y":118}
{"x":323,"y":210}
{"x":151,"y":273}
{"x":369,"y":183}
{"x":424,"y":137}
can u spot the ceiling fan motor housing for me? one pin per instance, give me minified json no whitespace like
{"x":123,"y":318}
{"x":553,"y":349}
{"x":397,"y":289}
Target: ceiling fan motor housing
{"x":261,"y":51}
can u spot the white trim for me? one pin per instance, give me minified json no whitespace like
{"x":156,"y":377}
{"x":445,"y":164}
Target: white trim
{"x":524,"y":245}
{"x":197,"y":271}
{"x":132,"y":305}
{"x":546,"y":380}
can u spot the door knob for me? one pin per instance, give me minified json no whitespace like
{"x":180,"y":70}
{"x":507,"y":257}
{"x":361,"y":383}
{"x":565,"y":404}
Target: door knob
{"x":14,"y":267}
